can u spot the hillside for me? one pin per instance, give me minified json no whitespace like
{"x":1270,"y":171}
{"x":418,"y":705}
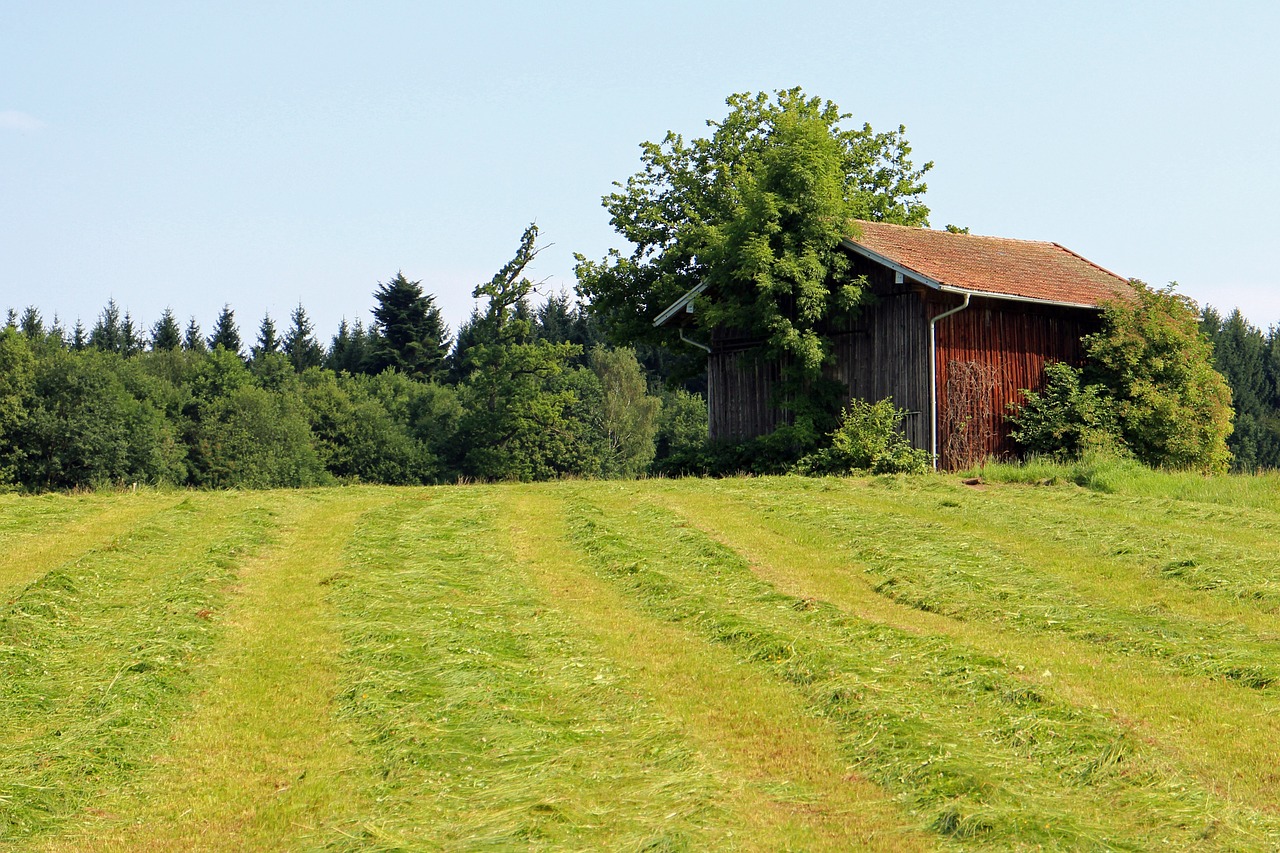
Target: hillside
{"x":738,"y":664}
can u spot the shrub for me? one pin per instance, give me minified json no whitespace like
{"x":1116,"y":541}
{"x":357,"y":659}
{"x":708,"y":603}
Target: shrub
{"x":869,"y":437}
{"x":1065,"y":418}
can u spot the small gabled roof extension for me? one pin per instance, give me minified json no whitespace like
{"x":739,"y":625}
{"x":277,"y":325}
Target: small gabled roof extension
{"x":1000,"y":266}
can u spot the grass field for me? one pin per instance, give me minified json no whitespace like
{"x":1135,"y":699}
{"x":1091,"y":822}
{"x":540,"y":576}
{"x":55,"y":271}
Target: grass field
{"x":755,"y":664}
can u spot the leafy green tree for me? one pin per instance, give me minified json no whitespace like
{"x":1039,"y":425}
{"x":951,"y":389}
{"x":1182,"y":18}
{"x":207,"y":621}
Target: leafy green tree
{"x":300,"y":343}
{"x":372,"y":428}
{"x":1173,"y":408}
{"x":521,"y":420}
{"x":870,"y":438}
{"x":17,"y":383}
{"x":409,"y":333}
{"x":165,"y":334}
{"x":86,"y":428}
{"x":629,"y":415}
{"x":225,"y":332}
{"x":682,"y":430}
{"x":755,"y":212}
{"x":1148,"y":380}
{"x":253,"y":438}
{"x":1066,"y":417}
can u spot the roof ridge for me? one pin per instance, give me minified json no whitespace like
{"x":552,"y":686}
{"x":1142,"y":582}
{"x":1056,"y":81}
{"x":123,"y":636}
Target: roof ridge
{"x":1093,"y":264}
{"x":964,"y":234}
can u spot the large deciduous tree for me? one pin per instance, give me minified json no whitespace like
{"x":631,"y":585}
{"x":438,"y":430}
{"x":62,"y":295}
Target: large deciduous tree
{"x":755,"y":212}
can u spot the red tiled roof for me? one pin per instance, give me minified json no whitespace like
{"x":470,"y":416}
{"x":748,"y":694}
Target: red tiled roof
{"x":1026,"y":268}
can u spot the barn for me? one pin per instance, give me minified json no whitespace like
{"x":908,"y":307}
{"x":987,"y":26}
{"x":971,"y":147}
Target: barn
{"x":957,"y":326}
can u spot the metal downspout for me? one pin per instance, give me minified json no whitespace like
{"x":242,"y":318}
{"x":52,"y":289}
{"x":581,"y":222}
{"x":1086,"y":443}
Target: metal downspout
{"x":933,"y":373}
{"x":702,"y":347}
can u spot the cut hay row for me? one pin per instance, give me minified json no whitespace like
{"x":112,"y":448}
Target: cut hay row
{"x":737,"y":664}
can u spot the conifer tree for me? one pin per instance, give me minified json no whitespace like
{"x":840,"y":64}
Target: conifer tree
{"x":225,"y":333}
{"x":408,"y":333}
{"x":268,"y":343}
{"x":165,"y":334}
{"x":300,"y":342}
{"x":106,"y":334}
{"x":193,"y":339}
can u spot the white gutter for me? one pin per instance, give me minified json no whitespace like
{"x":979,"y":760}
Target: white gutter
{"x":995,"y":294}
{"x":933,"y":370}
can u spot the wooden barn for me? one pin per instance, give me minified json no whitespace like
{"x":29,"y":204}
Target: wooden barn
{"x":959,"y":324}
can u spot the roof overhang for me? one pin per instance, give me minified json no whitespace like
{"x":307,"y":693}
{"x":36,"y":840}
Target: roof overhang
{"x":684,"y":303}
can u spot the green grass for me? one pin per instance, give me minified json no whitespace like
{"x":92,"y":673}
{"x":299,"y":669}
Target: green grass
{"x":1068,"y":657}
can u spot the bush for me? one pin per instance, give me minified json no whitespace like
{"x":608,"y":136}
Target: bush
{"x":1148,"y":389}
{"x":869,"y":437}
{"x":1065,"y":418}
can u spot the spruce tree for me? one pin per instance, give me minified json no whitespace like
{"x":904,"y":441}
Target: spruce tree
{"x":300,"y":342}
{"x":225,"y":334}
{"x":193,"y":339}
{"x":409,"y":332}
{"x":165,"y":334}
{"x":268,"y":343}
{"x":106,"y":334}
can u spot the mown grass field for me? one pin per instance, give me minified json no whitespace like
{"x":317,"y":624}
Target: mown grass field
{"x":754,"y":664}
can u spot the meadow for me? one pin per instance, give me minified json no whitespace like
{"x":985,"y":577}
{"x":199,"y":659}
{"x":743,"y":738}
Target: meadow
{"x":1058,"y":658}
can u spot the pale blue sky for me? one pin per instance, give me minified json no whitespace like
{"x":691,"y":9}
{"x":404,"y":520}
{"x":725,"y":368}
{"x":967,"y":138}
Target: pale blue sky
{"x":258,"y":154}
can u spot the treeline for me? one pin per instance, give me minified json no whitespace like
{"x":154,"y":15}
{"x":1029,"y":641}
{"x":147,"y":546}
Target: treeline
{"x":1249,"y":359}
{"x":519,"y":393}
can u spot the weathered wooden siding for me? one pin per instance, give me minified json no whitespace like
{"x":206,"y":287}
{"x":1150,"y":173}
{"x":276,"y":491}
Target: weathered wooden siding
{"x":1013,"y":341}
{"x":740,"y":394}
{"x":885,"y":353}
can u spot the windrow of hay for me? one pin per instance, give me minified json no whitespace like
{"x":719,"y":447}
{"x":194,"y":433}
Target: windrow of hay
{"x":488,"y":721}
{"x":971,"y":748}
{"x":97,"y":655}
{"x":979,"y":560}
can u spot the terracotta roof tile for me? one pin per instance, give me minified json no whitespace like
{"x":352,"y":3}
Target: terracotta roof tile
{"x":996,"y":265}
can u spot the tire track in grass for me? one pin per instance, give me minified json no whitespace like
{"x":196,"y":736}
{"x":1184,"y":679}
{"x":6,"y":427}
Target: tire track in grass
{"x":259,"y":762}
{"x":1222,"y":735}
{"x":981,"y":755}
{"x":97,"y":657}
{"x":38,"y":534}
{"x":792,"y":787}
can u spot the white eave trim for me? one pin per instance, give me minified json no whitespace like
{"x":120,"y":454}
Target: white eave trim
{"x":679,"y":305}
{"x":907,"y":272}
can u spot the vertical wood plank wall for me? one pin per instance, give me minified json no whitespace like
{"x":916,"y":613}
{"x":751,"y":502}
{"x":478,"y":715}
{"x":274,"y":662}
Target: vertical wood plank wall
{"x":1017,"y":339}
{"x":885,"y":353}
